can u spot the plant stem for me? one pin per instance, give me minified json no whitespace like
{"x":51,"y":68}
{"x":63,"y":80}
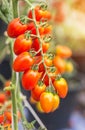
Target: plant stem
{"x":14,"y":100}
{"x":15,"y":8}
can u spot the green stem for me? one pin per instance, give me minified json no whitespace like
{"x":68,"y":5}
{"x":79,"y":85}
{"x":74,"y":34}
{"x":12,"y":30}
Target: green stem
{"x":13,"y":92}
{"x":15,"y":8}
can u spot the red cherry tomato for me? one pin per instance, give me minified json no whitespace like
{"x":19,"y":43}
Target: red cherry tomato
{"x":2,"y":98}
{"x":22,"y":44}
{"x":15,"y":28}
{"x":30,"y":78}
{"x":23,"y":62}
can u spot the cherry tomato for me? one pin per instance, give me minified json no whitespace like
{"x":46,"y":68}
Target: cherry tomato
{"x":69,"y":67}
{"x":37,"y":91}
{"x":48,"y":61}
{"x":32,"y":100}
{"x":59,"y":63}
{"x":22,"y":44}
{"x":23,"y":62}
{"x":30,"y":78}
{"x":47,"y":30}
{"x":3,"y":98}
{"x":40,"y":14}
{"x":39,"y":108}
{"x":45,"y":47}
{"x":61,"y":87}
{"x":63,"y":51}
{"x":16,"y":28}
{"x":56,"y":102}
{"x":7,"y":84}
{"x":8,"y":116}
{"x":46,"y":101}
{"x":1,"y":118}
{"x":36,"y":45}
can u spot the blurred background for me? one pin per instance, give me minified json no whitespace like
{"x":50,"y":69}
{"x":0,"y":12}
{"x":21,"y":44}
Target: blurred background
{"x":68,"y":20}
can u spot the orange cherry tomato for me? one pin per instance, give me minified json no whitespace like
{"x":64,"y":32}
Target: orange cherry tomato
{"x":63,"y":51}
{"x":61,"y":87}
{"x":46,"y":101}
{"x":47,"y":30}
{"x":32,"y":100}
{"x":48,"y":61}
{"x":23,"y":62}
{"x":8,"y":116}
{"x":7,"y":126}
{"x":59,"y":63}
{"x":38,"y":90}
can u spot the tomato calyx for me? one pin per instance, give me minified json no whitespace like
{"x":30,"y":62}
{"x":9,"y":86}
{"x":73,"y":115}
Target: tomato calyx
{"x":25,"y":19}
{"x":43,"y":6}
{"x":40,"y":83}
{"x":47,"y":39}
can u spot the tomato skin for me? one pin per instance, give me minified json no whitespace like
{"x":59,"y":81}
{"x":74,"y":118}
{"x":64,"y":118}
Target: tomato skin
{"x":16,"y":28}
{"x":2,"y":98}
{"x":22,"y":44}
{"x":63,"y":51}
{"x":30,"y":78}
{"x":7,"y":84}
{"x":45,"y":47}
{"x":59,"y":63}
{"x":37,"y":91}
{"x":56,"y":102}
{"x":61,"y":87}
{"x":48,"y":61}
{"x":1,"y":118}
{"x":23,"y":62}
{"x":46,"y":101}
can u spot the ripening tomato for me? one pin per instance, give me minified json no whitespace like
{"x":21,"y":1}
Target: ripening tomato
{"x":48,"y":61}
{"x":16,"y":28}
{"x":23,"y":62}
{"x":8,"y":116}
{"x":63,"y":51}
{"x":61,"y":87}
{"x":56,"y":102}
{"x":32,"y":100}
{"x":69,"y":67}
{"x":59,"y":63}
{"x":22,"y":44}
{"x":47,"y":30}
{"x":38,"y":90}
{"x":36,"y":45}
{"x":46,"y":101}
{"x":30,"y":78}
{"x":40,"y":14}
{"x":7,"y":84}
{"x":1,"y":118}
{"x":39,"y":108}
{"x":3,"y":98}
{"x":46,"y":80}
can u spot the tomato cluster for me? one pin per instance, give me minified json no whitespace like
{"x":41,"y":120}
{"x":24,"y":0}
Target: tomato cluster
{"x":5,"y":108}
{"x":40,"y":68}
